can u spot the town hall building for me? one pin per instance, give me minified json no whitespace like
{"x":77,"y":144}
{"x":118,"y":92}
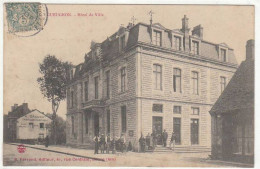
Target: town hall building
{"x":146,"y":78}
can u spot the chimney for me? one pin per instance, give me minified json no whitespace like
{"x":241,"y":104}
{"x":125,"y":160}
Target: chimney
{"x":185,"y":29}
{"x":250,"y":49}
{"x":130,"y":25}
{"x":198,"y":30}
{"x":15,"y":106}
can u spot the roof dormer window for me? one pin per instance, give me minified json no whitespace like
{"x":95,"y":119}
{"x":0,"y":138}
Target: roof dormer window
{"x":122,"y":42}
{"x":157,"y":38}
{"x":223,"y":55}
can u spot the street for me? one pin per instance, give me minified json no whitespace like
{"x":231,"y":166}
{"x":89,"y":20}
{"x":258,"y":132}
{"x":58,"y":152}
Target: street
{"x":36,"y":157}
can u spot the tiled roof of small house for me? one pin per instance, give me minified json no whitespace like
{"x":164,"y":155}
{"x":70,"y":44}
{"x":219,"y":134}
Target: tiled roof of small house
{"x":239,"y":93}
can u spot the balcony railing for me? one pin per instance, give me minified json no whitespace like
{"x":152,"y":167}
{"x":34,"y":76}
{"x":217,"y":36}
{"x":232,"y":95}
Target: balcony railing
{"x":93,"y":103}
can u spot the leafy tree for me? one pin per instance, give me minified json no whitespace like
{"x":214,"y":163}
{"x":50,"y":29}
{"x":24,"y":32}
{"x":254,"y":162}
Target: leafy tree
{"x":53,"y":83}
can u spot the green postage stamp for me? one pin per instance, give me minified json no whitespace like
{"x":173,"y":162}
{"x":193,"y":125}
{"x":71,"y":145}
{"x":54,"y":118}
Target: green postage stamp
{"x":25,"y":17}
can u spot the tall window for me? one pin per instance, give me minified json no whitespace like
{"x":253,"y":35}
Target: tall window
{"x":177,"y":43}
{"x":108,"y":83}
{"x":108,"y":121}
{"x":157,"y":38}
{"x":86,"y":90}
{"x":72,"y":125}
{"x":223,"y":55}
{"x":122,"y":41}
{"x":157,"y":75}
{"x":123,"y":79}
{"x":195,"y":111}
{"x":71,"y":99}
{"x":96,"y":87}
{"x":177,"y":109}
{"x":123,"y":119}
{"x":86,"y":123}
{"x":195,"y":48}
{"x":177,"y":80}
{"x":195,"y":83}
{"x":222,"y":83}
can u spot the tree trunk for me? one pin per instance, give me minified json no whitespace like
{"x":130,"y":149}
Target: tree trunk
{"x":54,"y":129}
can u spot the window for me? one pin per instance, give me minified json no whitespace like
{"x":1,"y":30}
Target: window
{"x":41,"y":125}
{"x":176,"y":80}
{"x":86,"y":123}
{"x":72,"y":125}
{"x":195,"y":47}
{"x":123,"y":119}
{"x":71,"y":99}
{"x":41,"y":136}
{"x":176,"y":109}
{"x":177,"y":130}
{"x":31,"y":125}
{"x":157,"y":38}
{"x":71,"y":74}
{"x":108,"y":83}
{"x":86,"y":90}
{"x":177,"y":43}
{"x":157,"y":75}
{"x":195,"y":111}
{"x":108,"y":121}
{"x":96,"y":87}
{"x":222,"y":83}
{"x":195,"y":83}
{"x":223,"y":55}
{"x":122,"y":41}
{"x":123,"y":79}
{"x":158,"y":108}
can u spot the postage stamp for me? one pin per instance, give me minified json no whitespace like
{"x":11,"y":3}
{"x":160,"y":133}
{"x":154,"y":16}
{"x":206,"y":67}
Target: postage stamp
{"x":25,"y":19}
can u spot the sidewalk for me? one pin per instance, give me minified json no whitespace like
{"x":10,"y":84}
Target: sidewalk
{"x":84,"y":153}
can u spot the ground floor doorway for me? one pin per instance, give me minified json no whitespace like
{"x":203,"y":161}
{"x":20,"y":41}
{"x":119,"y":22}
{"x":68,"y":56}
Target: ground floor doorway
{"x":157,"y":129}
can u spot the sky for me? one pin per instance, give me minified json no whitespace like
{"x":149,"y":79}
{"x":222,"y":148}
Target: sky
{"x":69,"y":38}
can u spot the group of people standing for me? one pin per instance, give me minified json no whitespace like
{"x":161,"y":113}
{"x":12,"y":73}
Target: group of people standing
{"x":106,"y":144}
{"x":103,"y":143}
{"x":151,"y":140}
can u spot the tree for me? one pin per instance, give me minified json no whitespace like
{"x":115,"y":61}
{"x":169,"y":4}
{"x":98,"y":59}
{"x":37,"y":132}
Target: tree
{"x":53,"y":83}
{"x":60,"y":130}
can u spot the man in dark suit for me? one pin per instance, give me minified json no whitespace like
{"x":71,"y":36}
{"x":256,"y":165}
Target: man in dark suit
{"x":165,"y":137}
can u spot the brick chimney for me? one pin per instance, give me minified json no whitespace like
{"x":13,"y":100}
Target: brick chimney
{"x":185,"y":29}
{"x":14,"y":107}
{"x":198,"y":30}
{"x":250,"y":49}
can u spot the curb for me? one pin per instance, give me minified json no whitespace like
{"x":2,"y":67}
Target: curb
{"x":54,"y":151}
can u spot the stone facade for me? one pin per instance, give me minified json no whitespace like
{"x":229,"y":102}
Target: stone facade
{"x":138,"y":48}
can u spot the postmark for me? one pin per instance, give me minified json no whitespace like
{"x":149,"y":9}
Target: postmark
{"x":26,"y":19}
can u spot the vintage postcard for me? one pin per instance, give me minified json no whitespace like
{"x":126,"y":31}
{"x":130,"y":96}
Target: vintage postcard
{"x":128,"y":85}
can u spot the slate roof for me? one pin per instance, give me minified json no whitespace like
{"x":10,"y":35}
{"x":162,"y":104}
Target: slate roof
{"x":239,"y":93}
{"x":19,"y":111}
{"x":139,"y":33}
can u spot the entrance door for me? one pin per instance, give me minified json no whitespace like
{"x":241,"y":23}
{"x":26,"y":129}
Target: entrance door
{"x":157,"y":128}
{"x":96,"y":124}
{"x":177,"y":130}
{"x":194,"y":131}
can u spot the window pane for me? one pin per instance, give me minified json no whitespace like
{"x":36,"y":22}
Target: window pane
{"x":177,"y":109}
{"x":158,"y":108}
{"x":86,"y":91}
{"x":108,"y":121}
{"x":123,"y":118}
